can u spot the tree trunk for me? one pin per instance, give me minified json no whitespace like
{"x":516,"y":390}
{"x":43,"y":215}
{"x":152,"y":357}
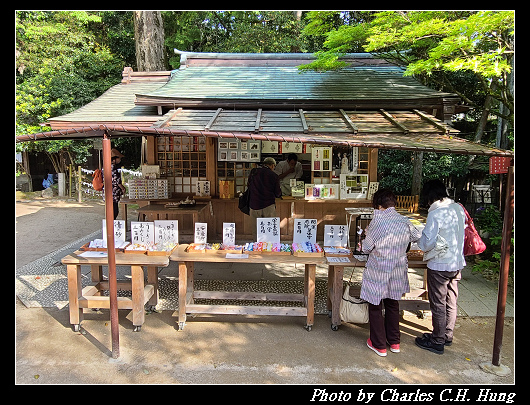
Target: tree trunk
{"x":149,"y":39}
{"x":417,"y":169}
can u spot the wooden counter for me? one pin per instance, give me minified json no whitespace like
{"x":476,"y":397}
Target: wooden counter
{"x":327,"y":212}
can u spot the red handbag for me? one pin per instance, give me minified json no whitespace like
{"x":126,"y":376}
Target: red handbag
{"x":473,"y":244}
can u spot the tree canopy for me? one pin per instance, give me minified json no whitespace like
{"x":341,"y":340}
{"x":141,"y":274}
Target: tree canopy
{"x":65,"y":59}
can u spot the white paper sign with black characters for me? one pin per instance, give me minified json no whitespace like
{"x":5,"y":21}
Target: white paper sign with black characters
{"x":167,"y":231}
{"x":305,"y":230}
{"x":336,"y":235}
{"x":142,"y":232}
{"x":119,"y":230}
{"x":229,"y":233}
{"x":201,"y":232}
{"x":268,"y":229}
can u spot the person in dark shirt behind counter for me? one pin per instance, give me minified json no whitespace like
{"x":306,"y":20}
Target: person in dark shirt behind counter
{"x":264,"y":188}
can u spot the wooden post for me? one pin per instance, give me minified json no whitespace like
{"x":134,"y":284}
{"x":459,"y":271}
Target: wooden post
{"x":79,"y":179}
{"x":70,"y":168}
{"x":495,"y":366}
{"x":109,"y":216}
{"x":505,"y":265}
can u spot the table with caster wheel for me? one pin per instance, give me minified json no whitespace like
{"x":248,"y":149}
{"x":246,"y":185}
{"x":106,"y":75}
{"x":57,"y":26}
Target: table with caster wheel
{"x":413,"y":301}
{"x":188,"y":294}
{"x":92,"y":295}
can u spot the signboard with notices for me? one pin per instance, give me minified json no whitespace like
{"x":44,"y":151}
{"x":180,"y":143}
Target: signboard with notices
{"x":291,"y":147}
{"x":142,"y":232}
{"x":321,"y":158}
{"x":336,"y":235}
{"x":203,"y":188}
{"x":201,"y":233}
{"x":229,"y":233}
{"x":305,"y":230}
{"x":499,"y":164}
{"x":119,"y":230}
{"x":166,"y":231}
{"x":268,"y":229}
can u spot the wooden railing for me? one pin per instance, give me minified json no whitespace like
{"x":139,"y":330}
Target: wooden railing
{"x":411,"y":203}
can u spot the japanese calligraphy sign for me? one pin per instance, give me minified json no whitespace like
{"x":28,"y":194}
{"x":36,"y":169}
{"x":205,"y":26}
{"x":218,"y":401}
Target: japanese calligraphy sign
{"x":119,"y":230}
{"x":167,"y":231}
{"x":201,"y":232}
{"x":305,"y":230}
{"x":229,"y":233}
{"x":335,"y":235}
{"x":268,"y":229}
{"x":142,"y":232}
{"x":203,"y":188}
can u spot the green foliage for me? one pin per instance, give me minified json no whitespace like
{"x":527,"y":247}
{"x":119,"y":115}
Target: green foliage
{"x":60,"y":67}
{"x":489,"y":220}
{"x":394,"y":168}
{"x":233,"y":31}
{"x":432,"y":45}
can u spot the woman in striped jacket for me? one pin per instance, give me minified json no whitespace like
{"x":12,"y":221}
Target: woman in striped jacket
{"x":385,"y":278}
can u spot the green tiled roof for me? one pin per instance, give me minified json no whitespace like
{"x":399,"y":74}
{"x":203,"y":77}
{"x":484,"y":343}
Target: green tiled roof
{"x":287,"y":83}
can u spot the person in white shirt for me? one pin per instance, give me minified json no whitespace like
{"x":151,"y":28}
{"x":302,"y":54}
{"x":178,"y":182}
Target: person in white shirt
{"x":287,"y":170}
{"x":445,"y":222}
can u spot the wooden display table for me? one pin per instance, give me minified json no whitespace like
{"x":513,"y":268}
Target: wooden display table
{"x":91,"y":296}
{"x":414,"y":300}
{"x":187,"y":293}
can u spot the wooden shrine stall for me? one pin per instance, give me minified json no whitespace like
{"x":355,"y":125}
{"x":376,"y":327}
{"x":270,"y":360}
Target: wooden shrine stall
{"x":207,"y":124}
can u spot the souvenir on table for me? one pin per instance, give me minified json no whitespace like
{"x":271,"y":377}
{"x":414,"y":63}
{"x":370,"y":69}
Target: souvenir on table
{"x":213,"y":248}
{"x":321,"y":191}
{"x":353,"y":186}
{"x":307,"y":249}
{"x":337,"y":251}
{"x":297,"y":188}
{"x":267,"y":247}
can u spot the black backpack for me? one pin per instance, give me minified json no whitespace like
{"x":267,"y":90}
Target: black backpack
{"x":244,"y":199}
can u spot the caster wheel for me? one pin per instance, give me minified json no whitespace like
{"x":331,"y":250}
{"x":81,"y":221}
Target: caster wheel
{"x":76,"y":327}
{"x":308,"y":327}
{"x":137,"y":329}
{"x":334,"y":328}
{"x":181,"y":326}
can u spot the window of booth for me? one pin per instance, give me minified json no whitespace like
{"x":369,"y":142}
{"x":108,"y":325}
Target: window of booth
{"x":182,"y":160}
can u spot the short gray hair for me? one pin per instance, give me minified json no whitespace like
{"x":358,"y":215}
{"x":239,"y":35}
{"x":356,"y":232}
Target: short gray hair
{"x":268,"y":161}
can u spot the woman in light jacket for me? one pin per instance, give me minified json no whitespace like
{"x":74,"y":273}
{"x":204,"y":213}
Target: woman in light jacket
{"x":385,"y":278}
{"x":443,"y":237}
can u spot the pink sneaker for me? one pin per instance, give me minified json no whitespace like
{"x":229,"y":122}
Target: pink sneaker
{"x":395,"y":348}
{"x":379,"y":352}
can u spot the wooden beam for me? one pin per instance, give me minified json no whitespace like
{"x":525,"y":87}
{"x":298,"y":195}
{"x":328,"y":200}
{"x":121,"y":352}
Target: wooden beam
{"x":212,"y":120}
{"x":258,"y":121}
{"x":437,"y":124}
{"x":247,"y":296}
{"x":304,"y":123}
{"x":393,"y":121}
{"x":171,"y":114}
{"x":349,"y":121}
